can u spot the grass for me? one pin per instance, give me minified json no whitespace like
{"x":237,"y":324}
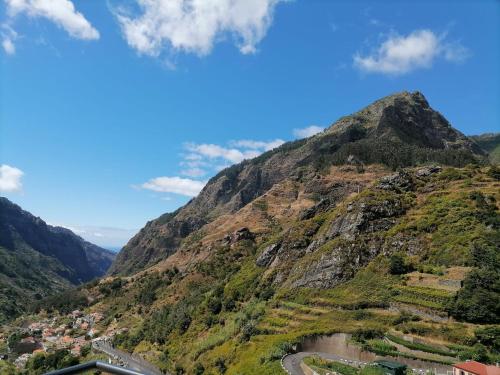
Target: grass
{"x":321,"y":364}
{"x":322,"y":367}
{"x":421,"y":296}
{"x":419,"y":346}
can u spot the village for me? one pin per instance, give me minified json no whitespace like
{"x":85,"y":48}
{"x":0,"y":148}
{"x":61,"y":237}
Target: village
{"x":75,"y":332}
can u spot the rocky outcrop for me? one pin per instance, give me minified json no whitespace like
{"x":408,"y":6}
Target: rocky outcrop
{"x":427,"y":171}
{"x":337,"y":265}
{"x":401,"y":181}
{"x":239,"y":235}
{"x":268,"y":255}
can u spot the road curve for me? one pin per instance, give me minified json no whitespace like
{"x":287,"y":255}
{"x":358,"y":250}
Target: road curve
{"x":141,"y":366}
{"x":291,"y":362}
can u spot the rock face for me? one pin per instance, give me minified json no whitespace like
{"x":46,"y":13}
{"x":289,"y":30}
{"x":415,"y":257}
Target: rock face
{"x":399,"y":130}
{"x":81,"y":260}
{"x":37,"y":259}
{"x":267,"y":255}
{"x":349,"y":244}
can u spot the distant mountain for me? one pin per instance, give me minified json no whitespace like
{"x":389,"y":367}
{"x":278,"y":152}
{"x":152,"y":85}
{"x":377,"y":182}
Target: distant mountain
{"x":37,"y":259}
{"x":489,"y":142}
{"x":399,"y":130}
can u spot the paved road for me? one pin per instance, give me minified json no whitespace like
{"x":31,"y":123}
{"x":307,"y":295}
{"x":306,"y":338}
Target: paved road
{"x":135,"y":364}
{"x":292,"y":361}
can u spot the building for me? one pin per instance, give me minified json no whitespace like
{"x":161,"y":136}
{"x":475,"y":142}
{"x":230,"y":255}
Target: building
{"x":390,"y":367}
{"x":475,"y":368}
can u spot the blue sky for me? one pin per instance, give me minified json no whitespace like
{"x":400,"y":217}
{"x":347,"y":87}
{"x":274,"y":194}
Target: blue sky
{"x":112,"y":113}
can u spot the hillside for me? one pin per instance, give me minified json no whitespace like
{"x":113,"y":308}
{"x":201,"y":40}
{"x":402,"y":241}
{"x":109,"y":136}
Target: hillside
{"x":386,"y":223}
{"x":398,"y":131}
{"x":346,"y":250}
{"x":489,"y":142}
{"x":37,"y":259}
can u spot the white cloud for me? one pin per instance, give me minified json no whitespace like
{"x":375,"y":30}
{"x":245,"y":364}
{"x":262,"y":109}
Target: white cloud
{"x":8,"y":46}
{"x":194,"y":172}
{"x":60,"y":12}
{"x":8,"y":37}
{"x":212,"y":151}
{"x":195,"y":25}
{"x":10,"y":179}
{"x":455,"y":52}
{"x":202,"y":159}
{"x":266,"y":146}
{"x":176,"y":185}
{"x":308,"y":131}
{"x":401,"y":54}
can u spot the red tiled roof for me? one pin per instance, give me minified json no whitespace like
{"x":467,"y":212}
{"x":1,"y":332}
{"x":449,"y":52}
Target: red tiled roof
{"x":478,"y":368}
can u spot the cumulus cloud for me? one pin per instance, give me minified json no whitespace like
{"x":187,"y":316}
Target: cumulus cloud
{"x":308,"y":131}
{"x":60,"y":12}
{"x":201,"y":159}
{"x":402,"y":54}
{"x":176,"y":185}
{"x":194,"y":26}
{"x":10,"y":179}
{"x":206,"y":154}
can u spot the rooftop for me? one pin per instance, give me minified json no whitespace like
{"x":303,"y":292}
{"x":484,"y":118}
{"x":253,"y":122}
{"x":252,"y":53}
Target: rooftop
{"x":478,"y":368}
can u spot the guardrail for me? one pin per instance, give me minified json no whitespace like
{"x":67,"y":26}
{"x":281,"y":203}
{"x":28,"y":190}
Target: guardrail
{"x":95,"y":365}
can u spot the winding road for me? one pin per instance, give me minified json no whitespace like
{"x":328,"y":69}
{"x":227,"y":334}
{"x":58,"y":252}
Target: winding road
{"x":125,"y":358}
{"x":291,"y":362}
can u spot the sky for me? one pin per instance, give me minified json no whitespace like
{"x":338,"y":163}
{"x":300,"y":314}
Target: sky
{"x":115,"y":112}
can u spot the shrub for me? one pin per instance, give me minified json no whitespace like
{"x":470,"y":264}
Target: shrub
{"x":42,"y":363}
{"x":479,"y":300}
{"x":362,"y":335}
{"x":199,"y":369}
{"x":64,"y":302}
{"x":490,"y":337}
{"x":398,"y":265}
{"x":220,"y":364}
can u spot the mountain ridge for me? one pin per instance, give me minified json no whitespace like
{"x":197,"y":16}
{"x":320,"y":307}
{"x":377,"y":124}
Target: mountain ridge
{"x":38,"y":259}
{"x":398,"y":130}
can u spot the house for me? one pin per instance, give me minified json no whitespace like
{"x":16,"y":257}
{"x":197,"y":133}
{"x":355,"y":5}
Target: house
{"x":21,"y":361}
{"x":390,"y":367}
{"x":475,"y":368}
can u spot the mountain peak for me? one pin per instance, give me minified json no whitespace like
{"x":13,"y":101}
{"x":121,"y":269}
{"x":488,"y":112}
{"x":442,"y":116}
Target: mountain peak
{"x":405,"y":117}
{"x":398,"y":130}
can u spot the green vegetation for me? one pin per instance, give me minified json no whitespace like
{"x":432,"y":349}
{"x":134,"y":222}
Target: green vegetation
{"x":42,"y":363}
{"x":323,"y":366}
{"x":479,"y":300}
{"x":419,"y":346}
{"x":64,"y":302}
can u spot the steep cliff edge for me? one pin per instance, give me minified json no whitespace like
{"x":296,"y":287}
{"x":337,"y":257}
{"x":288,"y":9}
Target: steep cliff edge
{"x":37,"y":259}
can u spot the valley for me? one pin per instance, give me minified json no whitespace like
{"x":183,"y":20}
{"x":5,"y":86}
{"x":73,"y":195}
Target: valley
{"x":383,"y":228}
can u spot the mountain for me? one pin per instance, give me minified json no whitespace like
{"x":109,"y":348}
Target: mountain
{"x":411,"y":254}
{"x":398,"y":131}
{"x":489,"y":142}
{"x":385,"y":226}
{"x":37,"y":259}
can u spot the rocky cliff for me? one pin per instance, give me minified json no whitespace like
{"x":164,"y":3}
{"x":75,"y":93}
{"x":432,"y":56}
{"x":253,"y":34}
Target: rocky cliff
{"x":37,"y":259}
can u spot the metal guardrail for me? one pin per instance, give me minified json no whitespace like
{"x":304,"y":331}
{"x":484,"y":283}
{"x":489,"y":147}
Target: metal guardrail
{"x":95,"y":365}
